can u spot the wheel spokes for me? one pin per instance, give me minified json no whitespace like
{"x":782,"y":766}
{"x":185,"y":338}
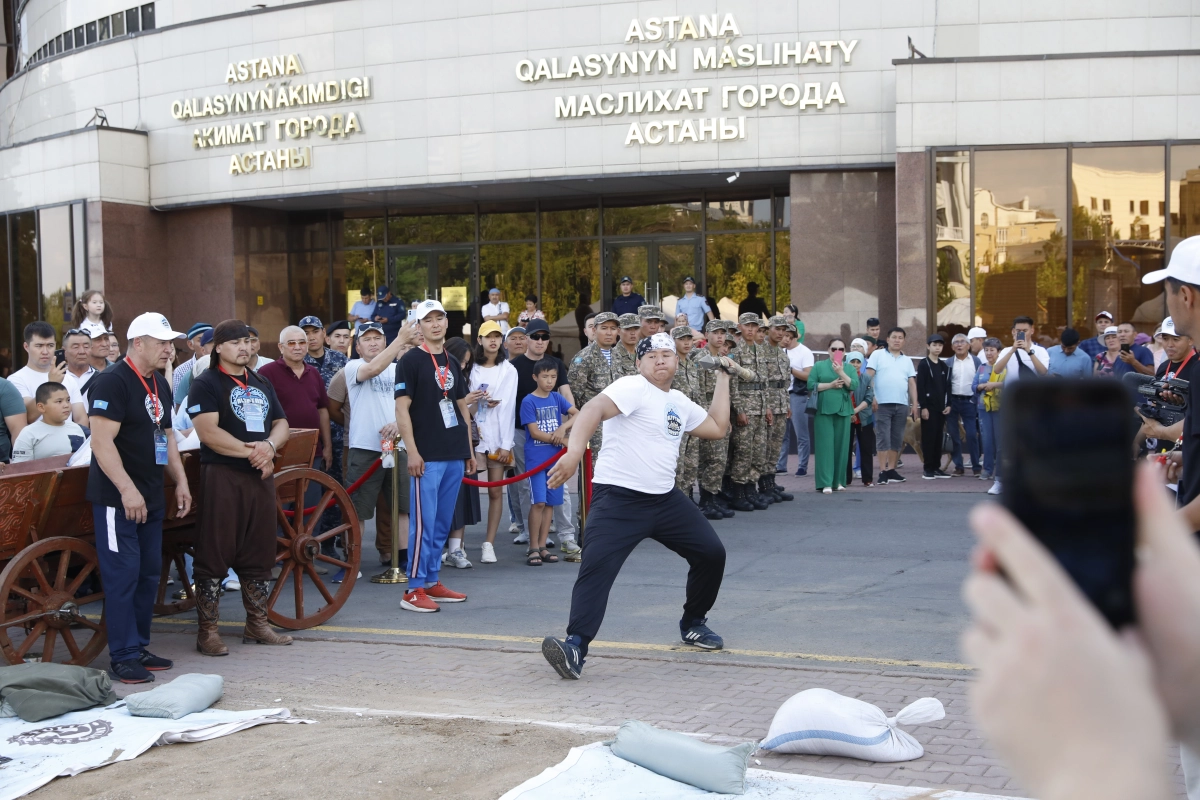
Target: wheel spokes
{"x":332,"y":560}
{"x":283,"y":574}
{"x":30,"y":596}
{"x":88,"y":568}
{"x":43,"y":582}
{"x":284,"y":522}
{"x":318,"y":510}
{"x":329,"y":534}
{"x":69,"y":641}
{"x":298,"y":577}
{"x":320,"y":584}
{"x":64,"y":561}
{"x":91,"y":598}
{"x":87,"y":623}
{"x":32,"y":637}
{"x":23,"y":619}
{"x":48,"y":647}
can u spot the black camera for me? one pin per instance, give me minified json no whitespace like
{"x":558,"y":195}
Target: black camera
{"x":1153,"y":405}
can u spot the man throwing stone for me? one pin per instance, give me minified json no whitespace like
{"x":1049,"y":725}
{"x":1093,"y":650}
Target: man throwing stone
{"x":634,"y":497}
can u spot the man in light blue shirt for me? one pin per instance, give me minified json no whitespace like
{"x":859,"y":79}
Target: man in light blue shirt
{"x":1067,"y":360}
{"x":364,"y":309}
{"x":894,"y":377}
{"x":692,"y":304}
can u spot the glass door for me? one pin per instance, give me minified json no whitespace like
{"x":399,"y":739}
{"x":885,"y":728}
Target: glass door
{"x":443,"y":273}
{"x":657,"y":266}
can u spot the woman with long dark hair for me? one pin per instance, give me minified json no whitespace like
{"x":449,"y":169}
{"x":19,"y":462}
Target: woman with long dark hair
{"x":466,"y":510}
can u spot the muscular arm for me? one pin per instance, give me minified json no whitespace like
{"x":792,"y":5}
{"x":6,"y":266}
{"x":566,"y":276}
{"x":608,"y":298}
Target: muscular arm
{"x":104,"y":453}
{"x":717,"y":421}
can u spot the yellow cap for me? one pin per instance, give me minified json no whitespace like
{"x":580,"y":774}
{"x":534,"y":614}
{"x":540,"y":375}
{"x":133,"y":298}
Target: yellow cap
{"x":491,"y":326}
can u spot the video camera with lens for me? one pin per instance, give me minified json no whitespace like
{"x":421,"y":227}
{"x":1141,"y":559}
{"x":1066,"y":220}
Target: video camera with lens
{"x":1151,"y":390}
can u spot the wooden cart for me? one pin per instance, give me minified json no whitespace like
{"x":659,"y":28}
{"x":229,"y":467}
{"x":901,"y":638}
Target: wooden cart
{"x":50,"y":583}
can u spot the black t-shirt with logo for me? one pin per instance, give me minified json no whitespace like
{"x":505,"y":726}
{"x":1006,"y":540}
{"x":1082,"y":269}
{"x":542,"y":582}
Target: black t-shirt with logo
{"x":214,"y":391}
{"x":118,"y":394}
{"x":416,"y":380}
{"x":527,"y":382}
{"x":1189,"y":482}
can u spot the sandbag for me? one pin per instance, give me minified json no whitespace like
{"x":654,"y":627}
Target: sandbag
{"x":684,"y":759}
{"x":38,"y":691}
{"x":185,"y":695}
{"x":825,"y":723}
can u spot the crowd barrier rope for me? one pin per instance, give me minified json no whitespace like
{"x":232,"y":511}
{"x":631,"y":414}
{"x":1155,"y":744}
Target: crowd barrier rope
{"x":506,"y":481}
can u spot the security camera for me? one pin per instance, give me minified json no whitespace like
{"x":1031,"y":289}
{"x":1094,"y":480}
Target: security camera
{"x":734,"y":177}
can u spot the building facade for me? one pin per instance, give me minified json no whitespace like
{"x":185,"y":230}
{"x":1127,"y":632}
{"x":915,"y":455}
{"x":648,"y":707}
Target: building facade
{"x":930,"y":162}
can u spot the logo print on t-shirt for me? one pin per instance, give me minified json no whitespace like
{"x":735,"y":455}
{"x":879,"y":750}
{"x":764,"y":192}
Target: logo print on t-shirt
{"x":444,"y":374}
{"x":672,"y":421}
{"x":149,"y":401}
{"x":547,"y":419}
{"x":248,"y":403}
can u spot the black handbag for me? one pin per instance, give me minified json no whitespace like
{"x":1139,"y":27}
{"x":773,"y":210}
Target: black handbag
{"x":810,"y":407}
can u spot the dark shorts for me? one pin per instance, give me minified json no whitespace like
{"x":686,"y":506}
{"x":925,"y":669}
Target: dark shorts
{"x":890,"y":420}
{"x":381,"y":481}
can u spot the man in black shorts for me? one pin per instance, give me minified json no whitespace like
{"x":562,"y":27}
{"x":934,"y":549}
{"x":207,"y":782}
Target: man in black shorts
{"x":634,"y":496}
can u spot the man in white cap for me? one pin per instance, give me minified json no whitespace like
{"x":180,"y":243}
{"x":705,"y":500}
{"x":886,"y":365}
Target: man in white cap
{"x":1095,"y":346}
{"x":634,"y":497}
{"x":975,"y":338}
{"x":132,"y":443}
{"x":1181,"y":363}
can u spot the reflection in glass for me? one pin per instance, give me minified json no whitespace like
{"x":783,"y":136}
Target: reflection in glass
{"x":58,"y":297}
{"x":24,"y":271}
{"x":1113,"y":249}
{"x":735,"y":260}
{"x":662,"y":218}
{"x":952,"y":193}
{"x":1185,"y":192}
{"x":511,"y":268}
{"x":783,"y":212}
{"x":631,"y":261}
{"x":570,"y":223}
{"x":309,"y":231}
{"x":431,"y":229}
{"x":1020,"y":256}
{"x":454,"y":290}
{"x":570,"y":291}
{"x":261,"y":296}
{"x":675,"y":262}
{"x":308,"y":286}
{"x":503,"y":227}
{"x":728,"y":215}
{"x":358,"y":232}
{"x":409,"y":275}
{"x":783,"y":270}
{"x":353,"y":271}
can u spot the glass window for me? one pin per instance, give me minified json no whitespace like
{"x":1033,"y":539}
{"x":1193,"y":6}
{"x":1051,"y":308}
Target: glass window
{"x":24,"y":270}
{"x":1112,"y":251}
{"x":727,"y":215}
{"x":661,"y":218}
{"x":261,"y":296}
{"x":58,"y":43}
{"x":148,"y":17}
{"x":133,"y":20}
{"x":430,"y":229}
{"x":783,"y":212}
{"x":308,"y":231}
{"x":358,"y":231}
{"x":511,"y":268}
{"x":1020,"y":274}
{"x":783,"y":270}
{"x":91,"y":32}
{"x":6,"y":332}
{"x":736,"y":260}
{"x":118,"y":24}
{"x":68,"y":40}
{"x":1185,"y":192}
{"x":501,"y":227}
{"x":58,"y":297}
{"x":570,"y":223}
{"x":308,"y":286}
{"x":355,"y":270}
{"x":105,"y":26}
{"x":952,"y":210}
{"x":570,"y":291}
{"x":79,"y":36}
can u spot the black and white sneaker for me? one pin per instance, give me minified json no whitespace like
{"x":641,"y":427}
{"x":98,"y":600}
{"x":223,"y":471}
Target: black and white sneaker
{"x":941,"y":473}
{"x":563,"y":656}
{"x":929,"y":476}
{"x":882,"y":479}
{"x":701,"y":636}
{"x":895,"y":477}
{"x":154,"y":663}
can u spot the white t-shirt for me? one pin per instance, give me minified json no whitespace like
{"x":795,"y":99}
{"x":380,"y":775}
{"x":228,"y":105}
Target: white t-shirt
{"x":1012,"y":370}
{"x":641,"y":445}
{"x":43,"y":440}
{"x":75,"y":384}
{"x":799,"y":357}
{"x":962,"y":375}
{"x":372,"y":404}
{"x":28,"y":380}
{"x":492,"y":309}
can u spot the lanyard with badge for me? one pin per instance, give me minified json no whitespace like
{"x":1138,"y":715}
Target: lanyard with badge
{"x":160,"y":436}
{"x":1172,"y":373}
{"x":253,"y":414}
{"x":442,"y":376}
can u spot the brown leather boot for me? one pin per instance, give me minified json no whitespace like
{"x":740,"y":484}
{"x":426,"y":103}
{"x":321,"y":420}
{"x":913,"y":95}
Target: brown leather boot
{"x":208,"y":610}
{"x":254,"y":598}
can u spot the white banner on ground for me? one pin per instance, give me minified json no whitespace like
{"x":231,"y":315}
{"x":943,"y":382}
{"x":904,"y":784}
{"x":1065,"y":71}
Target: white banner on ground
{"x":593,"y":772}
{"x":34,"y":753}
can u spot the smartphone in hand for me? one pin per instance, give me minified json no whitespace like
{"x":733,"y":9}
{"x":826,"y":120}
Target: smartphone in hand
{"x":1067,"y":470}
{"x":60,"y":357}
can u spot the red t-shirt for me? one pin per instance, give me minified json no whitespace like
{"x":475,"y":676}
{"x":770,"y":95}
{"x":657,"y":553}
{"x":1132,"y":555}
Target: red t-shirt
{"x":301,"y":397}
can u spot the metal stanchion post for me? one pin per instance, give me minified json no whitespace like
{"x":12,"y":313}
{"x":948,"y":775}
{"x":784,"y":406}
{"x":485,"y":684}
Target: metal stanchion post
{"x":395,"y":573}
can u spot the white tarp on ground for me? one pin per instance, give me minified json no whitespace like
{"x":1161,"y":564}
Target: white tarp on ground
{"x":594,"y":773}
{"x":34,"y":753}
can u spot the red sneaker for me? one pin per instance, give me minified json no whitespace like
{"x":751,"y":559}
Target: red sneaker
{"x":417,"y":600}
{"x":443,"y":595}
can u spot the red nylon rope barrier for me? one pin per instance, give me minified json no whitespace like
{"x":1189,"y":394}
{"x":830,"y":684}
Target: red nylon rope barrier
{"x":515,"y":478}
{"x":351,"y":489}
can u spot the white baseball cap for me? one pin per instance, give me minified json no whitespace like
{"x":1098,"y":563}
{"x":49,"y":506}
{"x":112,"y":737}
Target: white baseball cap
{"x":1184,"y":264}
{"x":1111,"y":330}
{"x":977,"y":333}
{"x":1104,"y":314}
{"x":152,"y":324}
{"x":1167,"y":328}
{"x":426,"y":307}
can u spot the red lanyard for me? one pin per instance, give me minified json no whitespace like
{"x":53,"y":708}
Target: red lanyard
{"x":441,"y":378}
{"x":152,"y":395}
{"x":1171,"y":374}
{"x":243,"y":386}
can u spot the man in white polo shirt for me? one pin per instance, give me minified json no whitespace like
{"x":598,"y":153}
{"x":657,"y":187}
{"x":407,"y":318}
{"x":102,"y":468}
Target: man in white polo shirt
{"x":895,"y":380}
{"x":39,"y":344}
{"x":634,"y":496}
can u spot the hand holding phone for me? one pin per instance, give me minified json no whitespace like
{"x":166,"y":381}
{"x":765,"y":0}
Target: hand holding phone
{"x":838,"y":356}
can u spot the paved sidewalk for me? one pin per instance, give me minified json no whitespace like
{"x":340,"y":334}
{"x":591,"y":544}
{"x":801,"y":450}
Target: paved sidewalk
{"x":702,"y":693}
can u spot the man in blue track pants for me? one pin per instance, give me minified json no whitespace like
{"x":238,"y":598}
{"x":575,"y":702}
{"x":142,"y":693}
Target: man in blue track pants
{"x":432,"y":415}
{"x":132,"y":443}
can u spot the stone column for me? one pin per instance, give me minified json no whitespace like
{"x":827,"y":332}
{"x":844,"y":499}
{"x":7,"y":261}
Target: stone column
{"x":912,"y":248}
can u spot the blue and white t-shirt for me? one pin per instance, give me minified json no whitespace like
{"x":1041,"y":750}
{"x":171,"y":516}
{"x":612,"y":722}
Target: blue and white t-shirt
{"x":548,"y":412}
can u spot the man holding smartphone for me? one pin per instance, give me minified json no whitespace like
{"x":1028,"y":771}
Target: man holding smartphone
{"x":1031,"y":359}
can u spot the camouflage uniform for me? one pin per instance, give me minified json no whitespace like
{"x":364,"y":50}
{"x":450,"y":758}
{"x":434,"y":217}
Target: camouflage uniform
{"x":779,"y":373}
{"x":713,"y":452}
{"x":627,"y":362}
{"x":687,"y":380}
{"x":591,"y":372}
{"x":749,"y":441}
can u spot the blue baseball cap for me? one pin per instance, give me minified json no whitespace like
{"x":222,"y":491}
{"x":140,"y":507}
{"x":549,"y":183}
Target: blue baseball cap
{"x":493,"y":290}
{"x":197,"y":329}
{"x":311,"y":322}
{"x":382,"y":292}
{"x":206,"y":336}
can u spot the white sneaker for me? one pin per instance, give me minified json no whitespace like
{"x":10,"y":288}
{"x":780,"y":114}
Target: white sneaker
{"x":522,"y":538}
{"x":513,"y":528}
{"x":489,"y":553}
{"x":569,"y":547}
{"x":445,"y":555}
{"x":995,"y":488}
{"x":858,"y":474}
{"x":549,"y":541}
{"x":458,"y":560}
{"x":233,"y":585}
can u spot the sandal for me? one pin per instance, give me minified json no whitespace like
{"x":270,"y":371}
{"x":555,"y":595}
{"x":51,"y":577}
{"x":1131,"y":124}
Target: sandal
{"x":548,"y":557}
{"x":533,"y":558}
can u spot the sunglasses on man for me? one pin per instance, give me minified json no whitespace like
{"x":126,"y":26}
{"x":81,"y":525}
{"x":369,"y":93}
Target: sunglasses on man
{"x":540,"y":337}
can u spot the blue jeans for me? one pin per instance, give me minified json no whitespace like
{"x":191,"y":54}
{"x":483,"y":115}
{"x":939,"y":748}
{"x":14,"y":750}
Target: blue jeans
{"x":989,"y":422}
{"x":963,"y":408}
{"x":130,"y":556}
{"x":796,"y":434}
{"x":431,"y":510}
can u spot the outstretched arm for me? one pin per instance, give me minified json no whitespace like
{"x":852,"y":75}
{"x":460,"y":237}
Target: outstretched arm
{"x":598,"y":409}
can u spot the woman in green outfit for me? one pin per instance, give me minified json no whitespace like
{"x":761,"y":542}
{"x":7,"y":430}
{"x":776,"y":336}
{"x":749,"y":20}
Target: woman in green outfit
{"x":831,"y":444}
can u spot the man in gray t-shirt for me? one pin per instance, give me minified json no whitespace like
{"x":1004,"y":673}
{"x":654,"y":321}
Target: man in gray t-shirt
{"x":12,"y":417}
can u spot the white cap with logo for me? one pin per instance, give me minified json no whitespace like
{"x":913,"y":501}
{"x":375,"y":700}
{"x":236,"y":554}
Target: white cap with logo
{"x":1184,"y":265}
{"x":1167,"y":328}
{"x":427,"y":307}
{"x":977,"y":333}
{"x":152,"y":324}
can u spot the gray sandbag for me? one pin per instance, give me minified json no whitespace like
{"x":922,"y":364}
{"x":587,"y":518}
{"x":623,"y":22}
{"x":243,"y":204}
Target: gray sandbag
{"x":684,"y":759}
{"x":37,"y":691}
{"x":185,"y":695}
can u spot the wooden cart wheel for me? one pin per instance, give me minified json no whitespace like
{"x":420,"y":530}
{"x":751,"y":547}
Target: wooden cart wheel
{"x":299,"y":551}
{"x":41,"y":607}
{"x":174,"y":548}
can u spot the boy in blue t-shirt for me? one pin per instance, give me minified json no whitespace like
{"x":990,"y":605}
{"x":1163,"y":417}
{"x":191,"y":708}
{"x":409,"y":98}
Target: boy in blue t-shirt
{"x":542,"y":414}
